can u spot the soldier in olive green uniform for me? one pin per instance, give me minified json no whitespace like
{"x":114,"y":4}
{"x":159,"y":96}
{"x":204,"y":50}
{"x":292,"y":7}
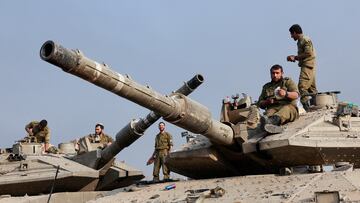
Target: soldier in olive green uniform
{"x":163,"y":144}
{"x":306,"y":57}
{"x":278,"y":98}
{"x":100,"y":136}
{"x":38,"y":132}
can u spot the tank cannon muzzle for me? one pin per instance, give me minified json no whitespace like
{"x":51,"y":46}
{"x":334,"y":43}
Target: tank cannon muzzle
{"x":58,"y":55}
{"x":176,"y":108}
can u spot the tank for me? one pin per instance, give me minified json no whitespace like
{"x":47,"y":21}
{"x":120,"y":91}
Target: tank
{"x":327,"y":136}
{"x":237,"y":138}
{"x":25,"y":169}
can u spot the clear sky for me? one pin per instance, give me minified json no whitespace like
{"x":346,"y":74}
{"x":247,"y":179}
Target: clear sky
{"x":161,"y":43}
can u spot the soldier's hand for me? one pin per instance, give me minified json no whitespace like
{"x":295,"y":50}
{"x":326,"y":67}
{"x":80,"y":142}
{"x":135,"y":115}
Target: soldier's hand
{"x":269,"y":101}
{"x":291,"y":58}
{"x":151,"y":160}
{"x":31,"y":132}
{"x":282,"y":92}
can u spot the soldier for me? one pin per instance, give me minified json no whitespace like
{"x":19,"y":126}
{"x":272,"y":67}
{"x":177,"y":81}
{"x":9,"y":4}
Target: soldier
{"x":278,"y":98}
{"x":306,"y":57}
{"x":163,"y":144}
{"x":38,"y":132}
{"x":99,"y":136}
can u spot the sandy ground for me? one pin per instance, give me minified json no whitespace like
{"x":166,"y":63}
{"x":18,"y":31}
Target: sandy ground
{"x":344,"y":185}
{"x":261,"y":188}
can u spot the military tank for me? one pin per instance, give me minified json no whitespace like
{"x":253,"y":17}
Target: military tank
{"x":25,"y":169}
{"x":236,"y":144}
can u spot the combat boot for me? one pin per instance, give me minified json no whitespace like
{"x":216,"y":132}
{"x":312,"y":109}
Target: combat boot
{"x":156,"y":180}
{"x":306,"y":106}
{"x":272,"y":125}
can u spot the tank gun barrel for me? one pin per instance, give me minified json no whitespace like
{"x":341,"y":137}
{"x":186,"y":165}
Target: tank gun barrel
{"x":136,"y":128}
{"x":176,"y":108}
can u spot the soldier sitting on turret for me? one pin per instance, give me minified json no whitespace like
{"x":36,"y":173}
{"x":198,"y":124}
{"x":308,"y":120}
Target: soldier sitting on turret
{"x":278,"y":98}
{"x":100,"y":136}
{"x":98,"y":140}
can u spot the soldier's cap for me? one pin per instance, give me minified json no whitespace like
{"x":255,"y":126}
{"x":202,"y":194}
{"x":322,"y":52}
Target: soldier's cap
{"x":100,"y":124}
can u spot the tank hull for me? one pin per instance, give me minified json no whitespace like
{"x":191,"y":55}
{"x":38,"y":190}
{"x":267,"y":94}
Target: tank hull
{"x":36,"y":174}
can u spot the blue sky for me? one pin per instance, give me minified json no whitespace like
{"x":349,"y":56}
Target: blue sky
{"x":161,"y":43}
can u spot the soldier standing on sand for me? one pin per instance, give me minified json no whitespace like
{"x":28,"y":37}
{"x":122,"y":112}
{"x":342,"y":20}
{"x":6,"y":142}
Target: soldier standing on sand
{"x":163,"y":144}
{"x":306,"y":57}
{"x":278,"y":98}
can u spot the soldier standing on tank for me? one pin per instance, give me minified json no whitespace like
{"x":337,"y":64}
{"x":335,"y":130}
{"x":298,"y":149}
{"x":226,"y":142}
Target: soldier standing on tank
{"x":278,"y":98}
{"x":306,"y":57}
{"x":100,"y":137}
{"x":38,"y":132}
{"x":163,"y":144}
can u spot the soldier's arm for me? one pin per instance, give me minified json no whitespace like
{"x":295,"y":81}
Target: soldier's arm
{"x":110,"y":140}
{"x":151,"y":159}
{"x":28,"y":128}
{"x":264,"y":101}
{"x":47,"y":135}
{"x":154,"y":153}
{"x":261,"y":99}
{"x":292,"y":92}
{"x":291,"y":95}
{"x":308,"y":49}
{"x":47,"y":139}
{"x":170,"y":141}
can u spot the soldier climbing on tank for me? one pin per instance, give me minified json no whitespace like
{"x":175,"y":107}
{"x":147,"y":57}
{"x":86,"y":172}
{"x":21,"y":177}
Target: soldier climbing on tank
{"x":278,"y":98}
{"x":163,"y":144}
{"x":39,"y":132}
{"x":306,"y":57}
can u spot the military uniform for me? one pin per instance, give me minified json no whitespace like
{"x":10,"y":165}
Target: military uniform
{"x":284,"y":108}
{"x":39,"y":136}
{"x":306,"y":57}
{"x":102,"y":138}
{"x":163,"y":143}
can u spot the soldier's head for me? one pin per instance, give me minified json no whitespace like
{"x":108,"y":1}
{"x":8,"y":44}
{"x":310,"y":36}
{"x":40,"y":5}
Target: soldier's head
{"x":42,"y":124}
{"x":99,"y":127}
{"x":295,"y":31}
{"x":276,"y":72}
{"x":161,"y":126}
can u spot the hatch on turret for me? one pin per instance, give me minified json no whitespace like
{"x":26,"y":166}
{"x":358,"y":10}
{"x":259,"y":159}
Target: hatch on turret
{"x":325,"y":100}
